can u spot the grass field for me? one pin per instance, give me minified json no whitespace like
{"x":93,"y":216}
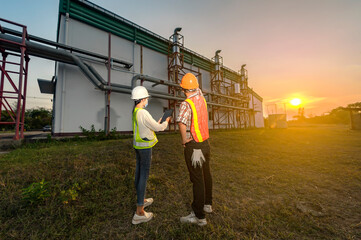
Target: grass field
{"x":296,"y":183}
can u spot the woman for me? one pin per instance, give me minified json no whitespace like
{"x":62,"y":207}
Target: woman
{"x":144,"y":139}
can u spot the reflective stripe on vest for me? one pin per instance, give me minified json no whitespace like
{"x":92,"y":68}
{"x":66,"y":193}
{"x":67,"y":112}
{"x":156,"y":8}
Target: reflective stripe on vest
{"x":138,"y":142}
{"x":199,"y":127}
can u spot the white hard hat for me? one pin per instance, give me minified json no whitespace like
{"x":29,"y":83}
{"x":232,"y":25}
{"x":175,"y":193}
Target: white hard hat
{"x":139,"y":92}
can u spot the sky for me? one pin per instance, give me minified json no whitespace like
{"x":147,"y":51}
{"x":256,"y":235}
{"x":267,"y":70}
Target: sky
{"x":307,"y":49}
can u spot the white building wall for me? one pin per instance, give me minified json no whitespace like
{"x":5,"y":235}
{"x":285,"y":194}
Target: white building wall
{"x":79,"y":103}
{"x":256,"y":104}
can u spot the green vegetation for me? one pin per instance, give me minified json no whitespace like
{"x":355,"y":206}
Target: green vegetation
{"x":35,"y":118}
{"x":36,"y":192}
{"x":92,"y":134}
{"x":296,"y":183}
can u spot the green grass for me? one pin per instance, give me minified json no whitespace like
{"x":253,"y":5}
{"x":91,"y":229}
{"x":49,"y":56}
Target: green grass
{"x":296,"y":183}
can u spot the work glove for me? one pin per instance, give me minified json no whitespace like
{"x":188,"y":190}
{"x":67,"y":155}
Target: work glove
{"x":197,"y":158}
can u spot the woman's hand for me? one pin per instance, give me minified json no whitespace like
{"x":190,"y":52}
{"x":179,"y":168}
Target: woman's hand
{"x":168,"y":119}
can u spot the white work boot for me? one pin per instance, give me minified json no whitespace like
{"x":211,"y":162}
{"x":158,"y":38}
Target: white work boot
{"x":207,"y":209}
{"x":148,"y":201}
{"x":191,"y":218}
{"x":141,"y":219}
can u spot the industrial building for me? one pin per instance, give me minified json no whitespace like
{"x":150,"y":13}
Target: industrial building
{"x":101,"y":56}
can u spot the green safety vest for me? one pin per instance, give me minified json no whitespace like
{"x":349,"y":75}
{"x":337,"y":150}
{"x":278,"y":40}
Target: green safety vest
{"x":138,"y":142}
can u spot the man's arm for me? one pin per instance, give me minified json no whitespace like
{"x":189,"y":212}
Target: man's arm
{"x":183,"y":132}
{"x":184,"y":115}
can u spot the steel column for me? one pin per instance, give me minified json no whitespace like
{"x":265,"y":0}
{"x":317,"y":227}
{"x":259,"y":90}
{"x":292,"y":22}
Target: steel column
{"x":27,"y":59}
{"x":4,"y":54}
{"x":108,"y":92}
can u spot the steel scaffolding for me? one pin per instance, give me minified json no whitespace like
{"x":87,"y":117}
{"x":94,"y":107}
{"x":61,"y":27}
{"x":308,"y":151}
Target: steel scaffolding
{"x":176,"y":70}
{"x":245,"y":116}
{"x":238,"y":93}
{"x":16,"y":78}
{"x":222,"y":118}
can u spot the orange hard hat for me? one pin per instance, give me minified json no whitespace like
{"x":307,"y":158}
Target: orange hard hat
{"x":189,"y":81}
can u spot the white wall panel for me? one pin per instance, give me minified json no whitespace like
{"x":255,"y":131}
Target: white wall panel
{"x":258,"y":107}
{"x":86,"y":37}
{"x":123,"y":49}
{"x":155,"y":64}
{"x":121,"y":107}
{"x":83,"y":104}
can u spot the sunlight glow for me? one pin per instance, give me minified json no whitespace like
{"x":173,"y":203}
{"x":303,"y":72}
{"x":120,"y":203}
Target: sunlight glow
{"x":295,"y":101}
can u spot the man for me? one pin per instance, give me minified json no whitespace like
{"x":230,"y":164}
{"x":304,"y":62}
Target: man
{"x":193,"y":125}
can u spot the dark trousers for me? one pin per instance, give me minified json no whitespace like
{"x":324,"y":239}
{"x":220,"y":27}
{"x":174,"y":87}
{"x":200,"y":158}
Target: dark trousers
{"x":200,"y":177}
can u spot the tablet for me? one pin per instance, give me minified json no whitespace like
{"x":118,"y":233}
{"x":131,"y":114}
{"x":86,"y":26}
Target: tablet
{"x":167,"y":113}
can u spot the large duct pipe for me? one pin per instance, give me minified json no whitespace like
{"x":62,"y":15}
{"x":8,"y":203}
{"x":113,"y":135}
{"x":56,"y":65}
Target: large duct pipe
{"x":243,"y":74}
{"x":217,"y":60}
{"x":176,"y":46}
{"x":178,"y":29}
{"x":12,"y":43}
{"x":66,"y":47}
{"x":34,"y":49}
{"x":243,"y":70}
{"x":88,"y":73}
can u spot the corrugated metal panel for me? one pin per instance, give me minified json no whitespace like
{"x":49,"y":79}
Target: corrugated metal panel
{"x":101,"y":18}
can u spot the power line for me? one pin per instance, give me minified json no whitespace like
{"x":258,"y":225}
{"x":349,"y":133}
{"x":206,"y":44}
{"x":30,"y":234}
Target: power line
{"x":38,"y":97}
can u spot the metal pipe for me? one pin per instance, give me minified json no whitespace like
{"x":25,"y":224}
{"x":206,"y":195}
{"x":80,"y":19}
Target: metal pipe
{"x":217,"y":61}
{"x":88,"y":73}
{"x":107,"y":115}
{"x":151,"y":79}
{"x":92,"y":75}
{"x":35,"y":49}
{"x":66,"y":47}
{"x":176,"y":46}
{"x":102,"y":85}
{"x":178,"y":29}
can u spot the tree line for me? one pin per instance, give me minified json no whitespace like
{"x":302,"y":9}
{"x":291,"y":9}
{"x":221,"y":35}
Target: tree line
{"x":35,"y":119}
{"x":336,"y":116}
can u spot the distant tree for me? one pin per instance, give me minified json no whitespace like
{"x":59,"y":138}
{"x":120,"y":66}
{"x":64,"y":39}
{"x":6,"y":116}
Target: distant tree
{"x":35,"y":118}
{"x":5,"y":118}
{"x":337,"y":116}
{"x":354,"y":105}
{"x":301,"y":115}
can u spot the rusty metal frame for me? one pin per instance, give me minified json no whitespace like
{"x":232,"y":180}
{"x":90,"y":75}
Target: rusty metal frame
{"x":175,"y":74}
{"x":227,"y":118}
{"x":19,"y":89}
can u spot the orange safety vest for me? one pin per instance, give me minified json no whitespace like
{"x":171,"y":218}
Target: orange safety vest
{"x":199,"y":127}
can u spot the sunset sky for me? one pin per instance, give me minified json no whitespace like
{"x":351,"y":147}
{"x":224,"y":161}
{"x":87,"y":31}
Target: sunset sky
{"x":306,"y":49}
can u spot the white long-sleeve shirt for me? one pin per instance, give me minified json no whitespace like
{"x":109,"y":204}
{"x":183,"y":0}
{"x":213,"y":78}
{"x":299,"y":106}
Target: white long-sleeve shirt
{"x":147,"y":124}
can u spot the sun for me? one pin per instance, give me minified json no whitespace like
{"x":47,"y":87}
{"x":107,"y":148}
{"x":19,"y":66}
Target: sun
{"x":295,"y":101}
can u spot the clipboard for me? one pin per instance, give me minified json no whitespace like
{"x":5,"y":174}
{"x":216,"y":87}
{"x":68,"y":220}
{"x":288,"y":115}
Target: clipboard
{"x":167,"y":113}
